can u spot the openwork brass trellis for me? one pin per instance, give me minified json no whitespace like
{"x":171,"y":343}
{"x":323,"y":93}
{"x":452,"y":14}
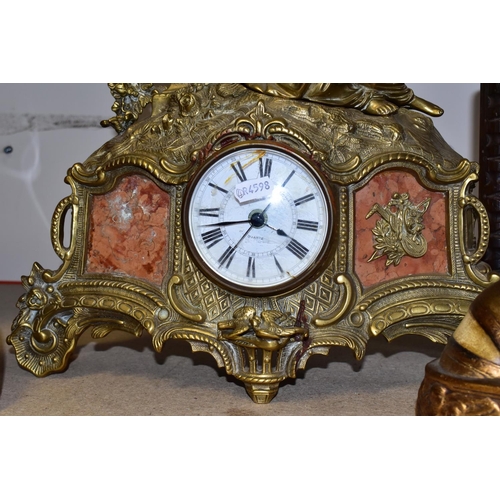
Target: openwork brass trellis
{"x":407,"y":256}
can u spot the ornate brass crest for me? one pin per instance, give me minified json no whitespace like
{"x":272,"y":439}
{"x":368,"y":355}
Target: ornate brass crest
{"x":126,"y":265}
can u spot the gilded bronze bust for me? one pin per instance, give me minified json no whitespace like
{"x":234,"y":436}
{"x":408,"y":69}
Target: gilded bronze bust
{"x":465,"y":380}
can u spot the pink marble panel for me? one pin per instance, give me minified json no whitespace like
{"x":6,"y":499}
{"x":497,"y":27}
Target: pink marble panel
{"x":380,"y":190}
{"x":129,"y":229}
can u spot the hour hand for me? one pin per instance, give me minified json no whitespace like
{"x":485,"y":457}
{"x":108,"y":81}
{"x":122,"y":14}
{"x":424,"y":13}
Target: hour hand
{"x":279,"y":231}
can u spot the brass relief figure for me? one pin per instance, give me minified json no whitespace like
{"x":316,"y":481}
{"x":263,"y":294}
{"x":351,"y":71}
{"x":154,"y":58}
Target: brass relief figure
{"x":399,"y":232}
{"x":378,"y":99}
{"x":267,"y":327}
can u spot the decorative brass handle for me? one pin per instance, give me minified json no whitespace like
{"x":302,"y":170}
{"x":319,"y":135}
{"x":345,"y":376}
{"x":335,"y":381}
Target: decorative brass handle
{"x":484,"y":229}
{"x":57,"y":232}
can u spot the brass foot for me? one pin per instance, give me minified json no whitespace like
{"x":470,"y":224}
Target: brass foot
{"x":262,"y":393}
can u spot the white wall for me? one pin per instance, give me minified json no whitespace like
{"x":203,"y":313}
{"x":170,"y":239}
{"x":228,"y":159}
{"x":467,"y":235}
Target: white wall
{"x":52,"y":126}
{"x":459,"y":125}
{"x":49,"y":127}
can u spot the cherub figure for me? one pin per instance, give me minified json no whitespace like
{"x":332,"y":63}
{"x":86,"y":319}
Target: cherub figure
{"x":240,"y":324}
{"x":269,"y":328}
{"x":266,"y":327}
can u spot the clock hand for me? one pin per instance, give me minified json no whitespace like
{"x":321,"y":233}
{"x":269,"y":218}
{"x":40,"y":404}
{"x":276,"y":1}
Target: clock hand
{"x":226,"y":223}
{"x":243,"y":237}
{"x":297,"y":248}
{"x":285,"y":182}
{"x":279,"y":231}
{"x":265,"y":209}
{"x":229,"y":253}
{"x":256,"y":219}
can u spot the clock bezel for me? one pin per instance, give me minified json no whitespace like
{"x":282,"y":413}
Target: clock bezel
{"x":317,"y":265}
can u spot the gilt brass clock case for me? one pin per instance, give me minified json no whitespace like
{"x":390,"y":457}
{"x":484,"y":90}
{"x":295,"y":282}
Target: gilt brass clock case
{"x":258,"y":219}
{"x":402,"y":255}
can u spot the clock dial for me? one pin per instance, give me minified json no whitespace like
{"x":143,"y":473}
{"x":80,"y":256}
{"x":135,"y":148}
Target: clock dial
{"x":258,"y":219}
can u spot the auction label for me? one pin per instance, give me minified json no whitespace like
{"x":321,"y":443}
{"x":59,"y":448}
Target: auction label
{"x":253,"y":190}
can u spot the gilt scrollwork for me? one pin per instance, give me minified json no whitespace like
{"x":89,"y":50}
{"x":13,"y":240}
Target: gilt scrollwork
{"x":179,"y":304}
{"x":39,"y":334}
{"x":412,"y":286}
{"x":335,"y":314}
{"x":53,"y":315}
{"x":404,"y":310}
{"x":67,"y":207}
{"x":62,"y":208}
{"x":185,"y":117}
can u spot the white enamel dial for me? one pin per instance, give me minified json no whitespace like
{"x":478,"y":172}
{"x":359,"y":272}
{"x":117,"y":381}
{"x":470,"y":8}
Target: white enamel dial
{"x":258,"y":219}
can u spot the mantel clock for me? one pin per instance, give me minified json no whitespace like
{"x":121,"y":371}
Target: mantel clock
{"x":262,"y":223}
{"x":258,"y":219}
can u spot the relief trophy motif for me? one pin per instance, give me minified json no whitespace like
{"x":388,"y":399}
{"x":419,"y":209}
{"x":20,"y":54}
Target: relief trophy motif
{"x":399,"y":231}
{"x":263,"y":224}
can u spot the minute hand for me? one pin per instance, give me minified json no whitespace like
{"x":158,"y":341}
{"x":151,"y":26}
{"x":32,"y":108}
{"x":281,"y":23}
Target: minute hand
{"x":226,"y":223}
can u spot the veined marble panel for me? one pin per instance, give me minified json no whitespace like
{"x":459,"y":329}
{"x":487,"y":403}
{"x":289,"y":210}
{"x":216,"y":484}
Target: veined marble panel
{"x":129,"y":229}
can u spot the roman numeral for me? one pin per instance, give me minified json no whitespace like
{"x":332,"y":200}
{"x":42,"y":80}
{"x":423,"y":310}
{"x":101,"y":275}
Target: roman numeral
{"x":210,"y":212}
{"x":212,"y":237}
{"x":304,"y":199}
{"x":288,"y":178}
{"x":227,"y":257}
{"x":251,"y":267}
{"x":265,"y":170}
{"x":308,"y":225}
{"x":238,"y":170}
{"x":217,"y":187}
{"x":297,"y":248}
